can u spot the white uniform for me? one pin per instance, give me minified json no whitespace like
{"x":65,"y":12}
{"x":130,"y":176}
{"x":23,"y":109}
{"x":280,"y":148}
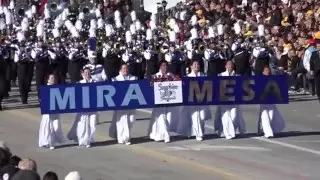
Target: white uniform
{"x":270,"y":120}
{"x":50,"y":132}
{"x":97,"y":72}
{"x":229,"y":118}
{"x":163,"y":119}
{"x":84,"y":126}
{"x":192,"y":118}
{"x":122,"y":120}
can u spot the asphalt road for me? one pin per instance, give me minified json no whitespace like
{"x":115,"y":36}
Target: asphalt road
{"x":293,"y":155}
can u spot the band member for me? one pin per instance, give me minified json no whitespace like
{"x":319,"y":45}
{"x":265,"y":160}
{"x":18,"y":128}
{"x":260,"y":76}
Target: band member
{"x":76,"y":62}
{"x":270,"y":120}
{"x":111,"y":61}
{"x":193,"y":118}
{"x":84,"y":125}
{"x":97,"y":71}
{"x":24,"y":71}
{"x":133,"y":60}
{"x":241,"y":60}
{"x":229,"y":118}
{"x":123,"y":120}
{"x":176,"y":61}
{"x":152,"y":61}
{"x":42,"y":57}
{"x":59,"y":65}
{"x":5,"y":56}
{"x":162,"y":117}
{"x":3,"y":88}
{"x":50,"y":132}
{"x":215,"y":60}
{"x":261,"y":58}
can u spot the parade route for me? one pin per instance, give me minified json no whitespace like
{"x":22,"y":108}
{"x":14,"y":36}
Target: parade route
{"x":292,"y":156}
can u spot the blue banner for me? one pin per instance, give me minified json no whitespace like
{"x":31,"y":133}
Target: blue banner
{"x":121,"y":95}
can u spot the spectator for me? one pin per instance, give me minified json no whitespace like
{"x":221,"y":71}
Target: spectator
{"x":14,"y":160}
{"x":276,"y":16}
{"x":8,"y":171}
{"x":74,"y":175}
{"x":3,"y":145}
{"x":50,"y":176}
{"x":27,"y":164}
{"x":4,"y":158}
{"x":26,"y":175}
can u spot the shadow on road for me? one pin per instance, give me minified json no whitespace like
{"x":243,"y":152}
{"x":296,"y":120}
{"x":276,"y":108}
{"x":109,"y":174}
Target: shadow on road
{"x":297,"y":133}
{"x":302,"y":99}
{"x":22,"y":106}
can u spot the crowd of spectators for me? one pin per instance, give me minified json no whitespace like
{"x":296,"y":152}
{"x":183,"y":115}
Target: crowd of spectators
{"x":290,"y":27}
{"x":13,"y":167}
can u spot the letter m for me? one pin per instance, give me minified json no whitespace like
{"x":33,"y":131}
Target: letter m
{"x":62,"y":101}
{"x":205,"y":91}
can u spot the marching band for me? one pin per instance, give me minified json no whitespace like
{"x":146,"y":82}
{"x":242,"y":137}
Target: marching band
{"x":64,"y":39}
{"x":90,"y":45}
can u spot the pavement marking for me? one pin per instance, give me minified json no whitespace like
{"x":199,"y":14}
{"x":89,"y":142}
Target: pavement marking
{"x":307,"y":141}
{"x":271,"y":141}
{"x":223,"y":174}
{"x":200,"y":147}
{"x":299,"y":148}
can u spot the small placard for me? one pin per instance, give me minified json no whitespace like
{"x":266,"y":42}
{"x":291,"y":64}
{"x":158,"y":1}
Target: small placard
{"x":168,"y":92}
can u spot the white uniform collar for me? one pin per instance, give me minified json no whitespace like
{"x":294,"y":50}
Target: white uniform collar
{"x":232,"y":73}
{"x":88,"y":81}
{"x":124,"y":77}
{"x":195,"y":74}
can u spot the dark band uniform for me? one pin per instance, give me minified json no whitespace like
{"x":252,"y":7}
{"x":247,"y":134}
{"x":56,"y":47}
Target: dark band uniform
{"x":59,"y":65}
{"x":315,"y":67}
{"x":216,"y":62}
{"x":42,"y":56}
{"x":242,"y":62}
{"x":3,"y":88}
{"x":76,"y":62}
{"x":24,"y":71}
{"x":111,"y":63}
{"x":176,"y":62}
{"x":262,"y":59}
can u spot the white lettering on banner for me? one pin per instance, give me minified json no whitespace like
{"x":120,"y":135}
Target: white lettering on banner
{"x":68,"y":98}
{"x":168,"y":92}
{"x":102,"y":97}
{"x":134,"y":93}
{"x":85,"y":97}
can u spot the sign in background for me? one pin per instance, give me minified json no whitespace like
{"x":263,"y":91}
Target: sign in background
{"x":121,"y":95}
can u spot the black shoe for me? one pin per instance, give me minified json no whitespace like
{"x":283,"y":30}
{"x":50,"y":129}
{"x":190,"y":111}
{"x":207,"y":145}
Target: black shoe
{"x":24,"y":102}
